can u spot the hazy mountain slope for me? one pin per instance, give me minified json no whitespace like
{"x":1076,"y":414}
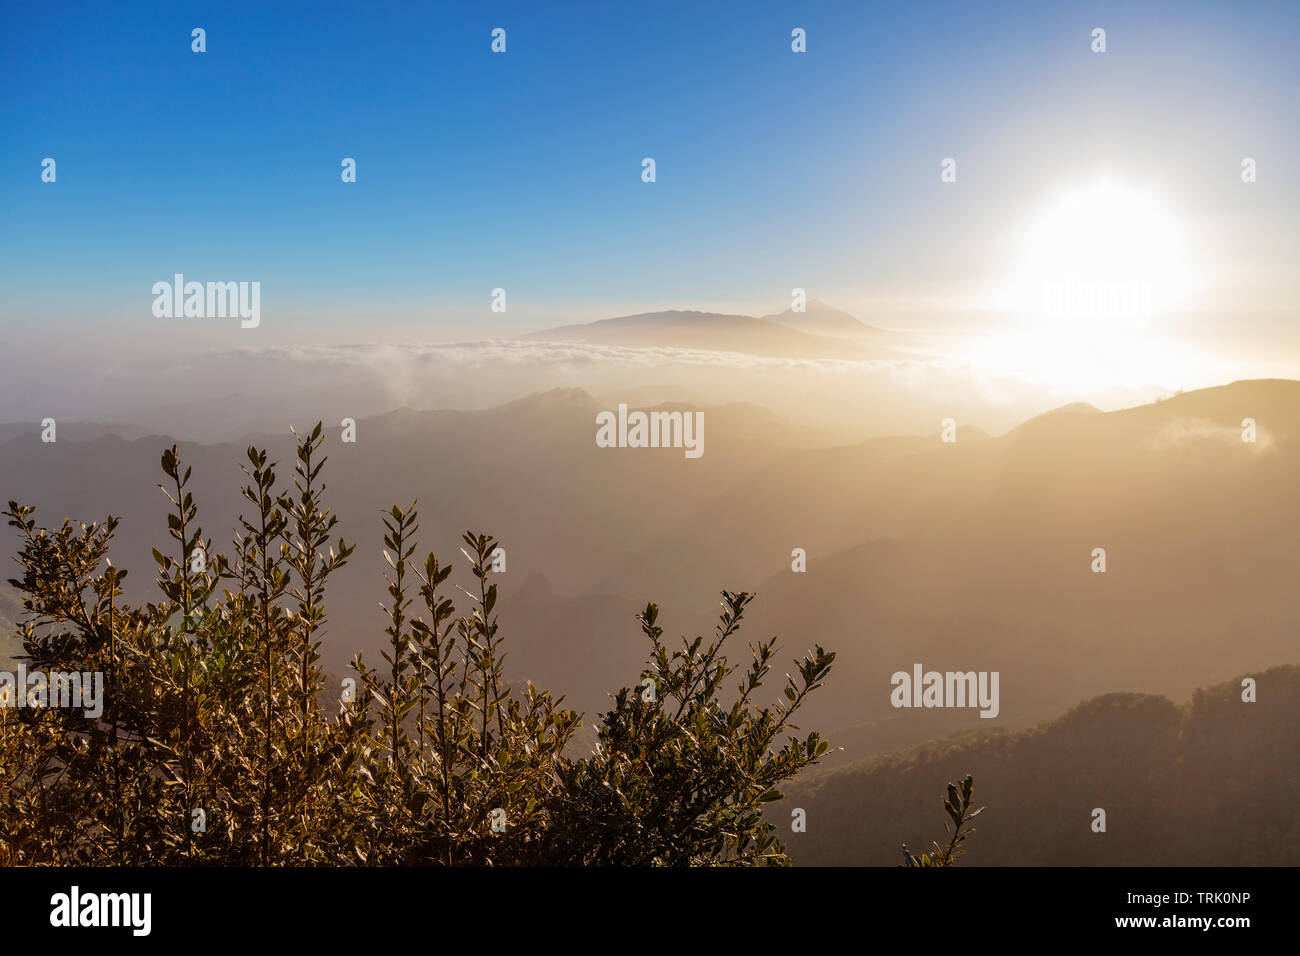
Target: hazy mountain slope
{"x":978,"y":554}
{"x":11,"y":610}
{"x":70,"y":431}
{"x":821,"y":500}
{"x":818,"y":318}
{"x":585,"y":647}
{"x":974,"y":555}
{"x":1210,"y":783}
{"x":528,"y":472}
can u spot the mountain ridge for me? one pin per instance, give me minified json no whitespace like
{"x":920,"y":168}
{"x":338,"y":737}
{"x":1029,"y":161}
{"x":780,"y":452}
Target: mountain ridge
{"x":1161,"y":771}
{"x":771,"y":336}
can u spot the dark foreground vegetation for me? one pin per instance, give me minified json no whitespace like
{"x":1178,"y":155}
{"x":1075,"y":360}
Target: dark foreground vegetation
{"x":1213,"y":782}
{"x":220,"y":743}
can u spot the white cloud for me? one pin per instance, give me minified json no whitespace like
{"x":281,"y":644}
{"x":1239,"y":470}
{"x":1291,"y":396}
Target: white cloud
{"x":518,"y":352}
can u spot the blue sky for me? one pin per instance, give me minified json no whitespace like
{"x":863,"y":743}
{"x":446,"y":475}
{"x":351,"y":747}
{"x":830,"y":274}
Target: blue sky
{"x":522,"y":170}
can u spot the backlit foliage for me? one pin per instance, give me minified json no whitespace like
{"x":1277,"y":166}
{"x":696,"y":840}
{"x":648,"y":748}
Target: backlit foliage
{"x":220,"y":743}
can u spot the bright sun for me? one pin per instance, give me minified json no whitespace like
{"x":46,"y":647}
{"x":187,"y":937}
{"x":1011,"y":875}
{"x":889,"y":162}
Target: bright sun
{"x":1090,"y":272}
{"x":1107,"y":252}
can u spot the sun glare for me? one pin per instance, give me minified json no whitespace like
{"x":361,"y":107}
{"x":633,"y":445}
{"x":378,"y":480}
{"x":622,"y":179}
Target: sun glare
{"x":1087,"y":277}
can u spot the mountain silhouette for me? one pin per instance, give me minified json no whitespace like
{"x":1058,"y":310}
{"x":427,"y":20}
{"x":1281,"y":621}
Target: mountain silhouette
{"x":820,"y":334}
{"x":1197,"y":784}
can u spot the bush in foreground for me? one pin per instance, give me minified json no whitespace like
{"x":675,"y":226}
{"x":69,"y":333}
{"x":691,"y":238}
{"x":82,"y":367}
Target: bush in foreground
{"x":219,"y":743}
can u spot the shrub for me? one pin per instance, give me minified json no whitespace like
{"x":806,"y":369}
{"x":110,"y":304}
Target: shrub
{"x":218,"y":744}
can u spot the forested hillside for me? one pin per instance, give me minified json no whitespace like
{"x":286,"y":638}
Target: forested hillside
{"x":1213,"y":782}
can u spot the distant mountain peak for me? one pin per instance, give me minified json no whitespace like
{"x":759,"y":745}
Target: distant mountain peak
{"x":669,"y":315}
{"x":554,"y":398}
{"x":822,"y":332}
{"x":819,"y":318}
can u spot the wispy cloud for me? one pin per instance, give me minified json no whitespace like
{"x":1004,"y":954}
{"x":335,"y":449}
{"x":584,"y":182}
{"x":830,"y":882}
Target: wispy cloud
{"x":514,"y":352}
